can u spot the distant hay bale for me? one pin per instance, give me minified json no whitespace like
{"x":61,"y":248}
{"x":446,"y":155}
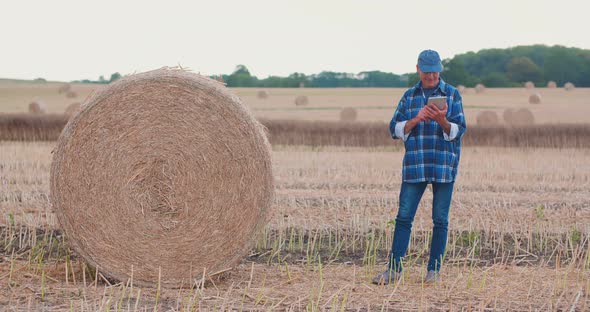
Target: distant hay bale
{"x":162,"y":176}
{"x":569,"y":86}
{"x":64,"y":88}
{"x":529,"y":85}
{"x":72,"y":109}
{"x":535,"y":98}
{"x":551,"y":84}
{"x":523,"y":117}
{"x":301,"y":100}
{"x":520,"y":117}
{"x":461,"y":88}
{"x":348,"y":114}
{"x":507,"y":116}
{"x":487,"y":118}
{"x":262,"y":94}
{"x":480,"y":88}
{"x":37,"y":107}
{"x":71,"y":94}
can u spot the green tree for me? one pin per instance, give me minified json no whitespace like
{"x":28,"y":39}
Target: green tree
{"x":521,"y":69}
{"x":495,"y":80}
{"x":114,"y":77}
{"x":241,"y":78}
{"x":455,"y":73}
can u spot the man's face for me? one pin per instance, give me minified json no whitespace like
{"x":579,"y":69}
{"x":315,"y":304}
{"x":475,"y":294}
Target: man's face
{"x":429,"y":80}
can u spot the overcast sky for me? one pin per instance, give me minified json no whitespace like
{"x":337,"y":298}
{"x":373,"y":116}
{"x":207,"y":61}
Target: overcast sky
{"x":70,"y":40}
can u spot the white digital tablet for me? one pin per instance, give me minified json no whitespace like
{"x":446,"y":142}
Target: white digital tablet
{"x":439,"y":101}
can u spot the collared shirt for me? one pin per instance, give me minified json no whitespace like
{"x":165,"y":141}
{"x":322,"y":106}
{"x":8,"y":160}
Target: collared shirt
{"x":431,"y":155}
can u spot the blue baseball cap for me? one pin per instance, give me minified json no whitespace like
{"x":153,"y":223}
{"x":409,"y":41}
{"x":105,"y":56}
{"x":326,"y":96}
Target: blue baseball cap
{"x":429,"y":61}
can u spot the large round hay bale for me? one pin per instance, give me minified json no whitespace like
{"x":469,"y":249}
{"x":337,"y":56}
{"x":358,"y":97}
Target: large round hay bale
{"x":262,"y":94}
{"x":348,"y":114}
{"x":64,"y":88}
{"x":487,"y":118}
{"x":529,"y":85}
{"x":569,"y":86}
{"x":73,"y":109}
{"x":523,"y":117}
{"x":535,"y":98}
{"x":301,"y":100}
{"x":37,"y":107}
{"x":551,"y":84}
{"x":461,"y":88}
{"x":480,"y":88}
{"x":71,"y":94}
{"x":161,"y":176}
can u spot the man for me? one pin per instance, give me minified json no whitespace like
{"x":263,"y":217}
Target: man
{"x":432,"y":139}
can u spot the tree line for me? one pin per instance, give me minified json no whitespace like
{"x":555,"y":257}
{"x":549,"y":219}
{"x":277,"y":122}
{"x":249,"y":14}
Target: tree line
{"x":492,"y":67}
{"x":509,"y":67}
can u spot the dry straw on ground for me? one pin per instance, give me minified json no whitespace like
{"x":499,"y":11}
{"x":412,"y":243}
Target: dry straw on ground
{"x":551,"y":84}
{"x":301,"y":100}
{"x":37,"y":107}
{"x":569,"y":86}
{"x":529,"y":85}
{"x":348,"y":114}
{"x":262,"y":94}
{"x":480,"y":88}
{"x":162,"y":176}
{"x":487,"y":118}
{"x":535,"y":98}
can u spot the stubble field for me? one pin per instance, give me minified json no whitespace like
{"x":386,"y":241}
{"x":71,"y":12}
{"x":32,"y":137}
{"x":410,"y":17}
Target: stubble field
{"x":518,"y":234}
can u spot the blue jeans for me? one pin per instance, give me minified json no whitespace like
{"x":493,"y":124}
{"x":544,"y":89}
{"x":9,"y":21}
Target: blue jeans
{"x":409,"y":198}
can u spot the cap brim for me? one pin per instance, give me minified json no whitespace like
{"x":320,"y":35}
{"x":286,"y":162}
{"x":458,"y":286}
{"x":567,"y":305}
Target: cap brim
{"x":431,"y":68}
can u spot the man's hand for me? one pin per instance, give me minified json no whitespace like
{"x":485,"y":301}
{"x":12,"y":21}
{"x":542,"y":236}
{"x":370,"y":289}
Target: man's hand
{"x":423,"y":114}
{"x":438,"y":115}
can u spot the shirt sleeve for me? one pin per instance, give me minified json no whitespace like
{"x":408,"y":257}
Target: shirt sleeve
{"x":399,"y":130}
{"x":456,"y":117}
{"x":401,"y":115}
{"x":453,"y":133}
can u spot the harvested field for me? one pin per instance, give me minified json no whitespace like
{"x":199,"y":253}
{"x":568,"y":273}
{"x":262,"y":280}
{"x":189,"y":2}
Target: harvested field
{"x":518,"y":234}
{"x":518,"y":238}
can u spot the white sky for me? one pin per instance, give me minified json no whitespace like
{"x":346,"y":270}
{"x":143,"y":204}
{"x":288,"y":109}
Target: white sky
{"x":70,"y":40}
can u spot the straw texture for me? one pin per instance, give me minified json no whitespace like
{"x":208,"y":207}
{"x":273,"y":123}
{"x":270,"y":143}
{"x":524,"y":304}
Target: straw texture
{"x":551,"y":84}
{"x":569,"y":86}
{"x":165,"y":171}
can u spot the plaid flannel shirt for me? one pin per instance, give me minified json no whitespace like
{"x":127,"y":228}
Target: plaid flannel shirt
{"x":431,"y":155}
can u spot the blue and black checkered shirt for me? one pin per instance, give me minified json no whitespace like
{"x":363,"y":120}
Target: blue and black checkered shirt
{"x":431,"y":155}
